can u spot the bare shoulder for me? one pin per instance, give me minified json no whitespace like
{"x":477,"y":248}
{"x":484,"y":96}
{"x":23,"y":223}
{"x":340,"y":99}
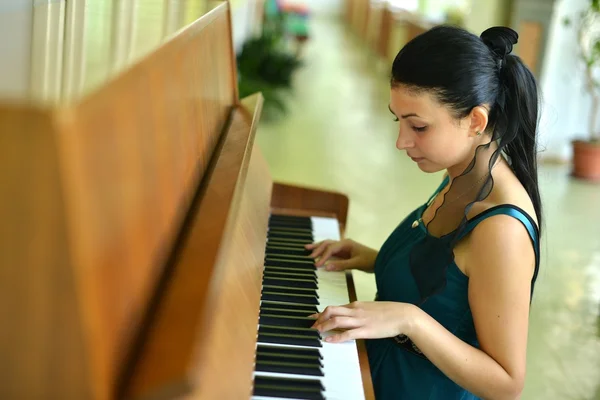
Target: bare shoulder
{"x":501,"y":238}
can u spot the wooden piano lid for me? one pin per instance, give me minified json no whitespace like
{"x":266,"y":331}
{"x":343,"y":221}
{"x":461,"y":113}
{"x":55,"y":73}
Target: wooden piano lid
{"x":109,"y":117}
{"x":59,"y":51}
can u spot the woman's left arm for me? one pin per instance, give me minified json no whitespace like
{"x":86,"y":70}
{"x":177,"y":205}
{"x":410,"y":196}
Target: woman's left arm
{"x":500,"y":265}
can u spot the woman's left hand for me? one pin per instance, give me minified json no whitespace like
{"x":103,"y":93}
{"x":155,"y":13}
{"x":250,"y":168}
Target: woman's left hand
{"x":367,"y":320}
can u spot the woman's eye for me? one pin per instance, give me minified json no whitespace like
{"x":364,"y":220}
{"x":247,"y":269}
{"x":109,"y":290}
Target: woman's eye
{"x":419,"y":128}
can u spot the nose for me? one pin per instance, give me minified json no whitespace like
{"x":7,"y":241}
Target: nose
{"x":404,"y":141}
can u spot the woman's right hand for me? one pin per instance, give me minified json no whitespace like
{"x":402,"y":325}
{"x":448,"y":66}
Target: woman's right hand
{"x":348,"y":255}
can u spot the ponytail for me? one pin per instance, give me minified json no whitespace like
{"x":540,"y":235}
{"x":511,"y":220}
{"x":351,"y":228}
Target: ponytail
{"x":518,"y":120}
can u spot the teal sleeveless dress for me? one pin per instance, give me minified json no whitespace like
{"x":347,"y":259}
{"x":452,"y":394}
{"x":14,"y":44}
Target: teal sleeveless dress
{"x":398,"y":369}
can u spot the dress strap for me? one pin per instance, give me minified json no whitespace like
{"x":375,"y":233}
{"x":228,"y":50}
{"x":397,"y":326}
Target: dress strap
{"x":515,"y":212}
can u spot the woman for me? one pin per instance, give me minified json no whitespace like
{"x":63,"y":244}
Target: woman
{"x":455,"y":278}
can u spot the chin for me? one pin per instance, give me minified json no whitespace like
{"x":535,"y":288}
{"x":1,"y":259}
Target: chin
{"x":429,"y":167}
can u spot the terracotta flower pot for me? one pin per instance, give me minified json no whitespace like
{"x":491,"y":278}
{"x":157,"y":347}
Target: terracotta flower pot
{"x":586,"y":160}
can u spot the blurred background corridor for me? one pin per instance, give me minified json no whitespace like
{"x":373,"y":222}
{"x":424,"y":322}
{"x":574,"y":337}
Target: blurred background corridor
{"x":323,"y":67}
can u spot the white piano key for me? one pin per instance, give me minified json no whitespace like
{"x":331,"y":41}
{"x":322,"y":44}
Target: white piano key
{"x":342,"y":380}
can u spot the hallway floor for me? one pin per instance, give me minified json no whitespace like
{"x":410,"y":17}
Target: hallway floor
{"x":339,"y":135}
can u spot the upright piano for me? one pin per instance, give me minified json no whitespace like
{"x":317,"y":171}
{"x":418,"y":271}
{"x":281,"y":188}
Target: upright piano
{"x":145,"y":252}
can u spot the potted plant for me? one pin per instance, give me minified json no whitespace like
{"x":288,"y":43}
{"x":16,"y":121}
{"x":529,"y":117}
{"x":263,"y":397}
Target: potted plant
{"x":586,"y":152}
{"x":266,"y":65}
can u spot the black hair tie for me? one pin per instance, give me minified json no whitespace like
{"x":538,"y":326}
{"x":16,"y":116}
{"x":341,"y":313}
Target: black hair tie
{"x":500,"y":40}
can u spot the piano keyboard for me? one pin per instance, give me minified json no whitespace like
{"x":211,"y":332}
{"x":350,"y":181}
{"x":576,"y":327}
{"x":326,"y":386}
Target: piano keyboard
{"x":292,"y":360}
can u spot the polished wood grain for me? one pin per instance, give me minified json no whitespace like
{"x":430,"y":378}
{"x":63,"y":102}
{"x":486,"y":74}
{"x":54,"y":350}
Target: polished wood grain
{"x":294,"y":197}
{"x":42,"y":346}
{"x":205,"y":325}
{"x":130,"y":178}
{"x":109,"y":178}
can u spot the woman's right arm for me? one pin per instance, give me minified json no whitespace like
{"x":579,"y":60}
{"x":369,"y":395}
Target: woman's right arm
{"x":342,"y":255}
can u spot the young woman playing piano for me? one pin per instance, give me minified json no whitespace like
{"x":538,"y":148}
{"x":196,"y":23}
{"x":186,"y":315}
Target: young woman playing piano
{"x":455,"y":278}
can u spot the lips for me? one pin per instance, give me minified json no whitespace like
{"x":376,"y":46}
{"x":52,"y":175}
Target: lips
{"x":416,"y":159}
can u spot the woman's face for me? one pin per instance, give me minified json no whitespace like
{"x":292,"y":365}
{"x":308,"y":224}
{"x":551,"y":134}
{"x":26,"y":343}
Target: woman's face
{"x":429,"y":133}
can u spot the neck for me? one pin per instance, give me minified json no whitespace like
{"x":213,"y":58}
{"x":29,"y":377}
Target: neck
{"x":481,"y":163}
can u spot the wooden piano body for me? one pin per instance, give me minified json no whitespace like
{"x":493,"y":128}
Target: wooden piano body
{"x":133,"y":231}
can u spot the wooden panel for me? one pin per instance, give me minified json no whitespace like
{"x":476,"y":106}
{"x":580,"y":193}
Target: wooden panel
{"x":41,"y":338}
{"x":209,"y":286}
{"x":530,"y":36}
{"x":93,"y":197}
{"x":310,"y":199}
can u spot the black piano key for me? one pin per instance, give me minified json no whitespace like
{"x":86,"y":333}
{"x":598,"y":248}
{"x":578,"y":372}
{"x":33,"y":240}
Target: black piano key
{"x":284,"y":313}
{"x":290,"y":228}
{"x":276,"y":393}
{"x":287,"y":321}
{"x":281,"y":262}
{"x":285,"y":330}
{"x":314,"y":362}
{"x":289,"y":382}
{"x":290,"y":235}
{"x":285,"y":242}
{"x":308,"y":273}
{"x":285,"y":217}
{"x":289,"y":241}
{"x":290,"y":351}
{"x":288,"y":251}
{"x":283,"y":306}
{"x":290,"y":298}
{"x":287,"y":392}
{"x":295,"y":340}
{"x":289,"y":218}
{"x":290,"y":272}
{"x":290,"y":282}
{"x":282,"y":272}
{"x":310,"y":389}
{"x":290,"y":290}
{"x":289,"y":257}
{"x":290,"y":225}
{"x":285,"y":367}
{"x":290,"y":232}
{"x":308,"y":361}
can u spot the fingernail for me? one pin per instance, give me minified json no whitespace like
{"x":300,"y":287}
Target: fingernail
{"x":313,"y":315}
{"x":328,"y":338}
{"x":330,"y":267}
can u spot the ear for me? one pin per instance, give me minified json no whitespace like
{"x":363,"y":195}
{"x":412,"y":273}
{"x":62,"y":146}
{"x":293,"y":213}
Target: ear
{"x":478,"y":119}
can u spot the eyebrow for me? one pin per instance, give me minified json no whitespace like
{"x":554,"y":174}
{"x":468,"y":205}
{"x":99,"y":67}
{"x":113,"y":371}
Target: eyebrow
{"x":405,"y":115}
